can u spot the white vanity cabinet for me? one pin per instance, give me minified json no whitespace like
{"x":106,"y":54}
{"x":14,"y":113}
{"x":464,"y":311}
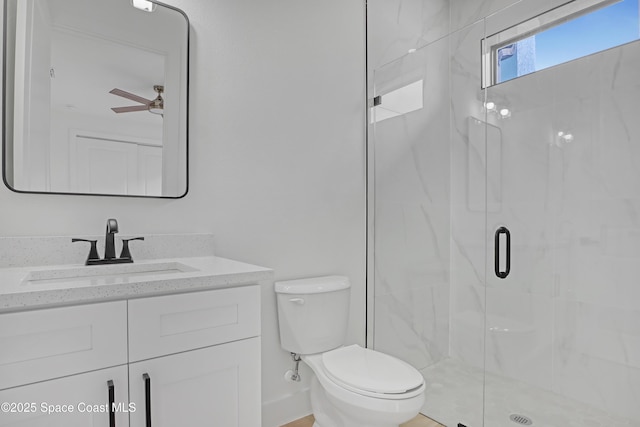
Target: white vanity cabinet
{"x":213,"y":386}
{"x":59,"y":366}
{"x":189,"y":359}
{"x":195,"y":359}
{"x":76,"y":401}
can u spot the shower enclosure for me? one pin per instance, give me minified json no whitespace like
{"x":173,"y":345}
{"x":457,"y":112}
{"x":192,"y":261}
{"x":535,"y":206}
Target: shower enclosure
{"x":506,"y":249}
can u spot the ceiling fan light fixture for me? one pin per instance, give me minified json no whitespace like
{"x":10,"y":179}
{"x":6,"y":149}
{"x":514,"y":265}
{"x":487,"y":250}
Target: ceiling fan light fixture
{"x":155,"y":106}
{"x":145,"y":5}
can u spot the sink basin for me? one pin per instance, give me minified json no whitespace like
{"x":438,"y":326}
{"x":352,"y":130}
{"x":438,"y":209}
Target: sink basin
{"x":104,"y":273}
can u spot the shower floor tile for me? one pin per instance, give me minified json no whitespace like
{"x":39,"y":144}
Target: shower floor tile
{"x":455,"y":395}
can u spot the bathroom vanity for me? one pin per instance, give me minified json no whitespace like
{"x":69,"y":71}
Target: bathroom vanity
{"x":160,"y":342}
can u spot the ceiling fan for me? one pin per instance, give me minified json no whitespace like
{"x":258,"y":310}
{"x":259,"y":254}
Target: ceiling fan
{"x":155,"y":106}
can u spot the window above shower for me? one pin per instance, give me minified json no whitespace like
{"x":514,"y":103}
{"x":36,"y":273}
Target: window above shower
{"x":571,"y":31}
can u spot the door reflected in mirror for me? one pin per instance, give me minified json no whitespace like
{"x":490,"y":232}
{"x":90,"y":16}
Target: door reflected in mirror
{"x":95,"y":97}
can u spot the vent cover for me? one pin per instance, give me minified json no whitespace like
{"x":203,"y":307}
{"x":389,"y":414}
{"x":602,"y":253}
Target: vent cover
{"x":521,"y":419}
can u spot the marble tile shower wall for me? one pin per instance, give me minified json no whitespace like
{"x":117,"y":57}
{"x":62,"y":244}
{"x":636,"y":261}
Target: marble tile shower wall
{"x":411,"y":174}
{"x":412,"y":214}
{"x":467,"y":204}
{"x":567,"y":318}
{"x":395,"y":26}
{"x":416,"y":260}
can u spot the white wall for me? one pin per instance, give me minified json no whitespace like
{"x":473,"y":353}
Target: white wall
{"x":276,"y":157}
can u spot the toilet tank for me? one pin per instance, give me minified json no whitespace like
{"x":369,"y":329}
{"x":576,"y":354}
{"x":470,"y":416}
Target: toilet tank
{"x":313,"y":314}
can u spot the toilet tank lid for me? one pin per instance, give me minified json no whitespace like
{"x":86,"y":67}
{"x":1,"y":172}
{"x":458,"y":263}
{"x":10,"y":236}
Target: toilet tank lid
{"x":313,"y":285}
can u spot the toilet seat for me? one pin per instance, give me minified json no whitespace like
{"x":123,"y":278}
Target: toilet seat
{"x":371,"y":373}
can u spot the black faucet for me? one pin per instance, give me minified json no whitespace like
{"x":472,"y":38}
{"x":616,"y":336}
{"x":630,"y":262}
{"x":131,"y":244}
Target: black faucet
{"x":109,"y":247}
{"x":109,"y":244}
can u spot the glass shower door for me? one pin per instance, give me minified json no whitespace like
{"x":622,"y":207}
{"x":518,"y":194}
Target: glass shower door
{"x":562,"y":327}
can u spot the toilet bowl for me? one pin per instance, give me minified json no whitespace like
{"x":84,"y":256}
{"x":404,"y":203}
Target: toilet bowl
{"x":362,"y":387}
{"x":353,"y":386}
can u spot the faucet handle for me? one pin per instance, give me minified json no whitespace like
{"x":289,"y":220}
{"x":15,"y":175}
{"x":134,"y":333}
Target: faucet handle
{"x":93,"y":251}
{"x":125,"y":247}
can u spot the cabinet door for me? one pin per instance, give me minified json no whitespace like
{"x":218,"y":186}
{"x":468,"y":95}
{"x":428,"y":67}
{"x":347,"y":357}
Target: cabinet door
{"x":76,"y":401}
{"x":41,"y":345}
{"x":210,"y":387}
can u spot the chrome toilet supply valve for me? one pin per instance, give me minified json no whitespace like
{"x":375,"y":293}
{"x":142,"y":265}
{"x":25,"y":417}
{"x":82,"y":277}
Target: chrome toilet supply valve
{"x":293,"y":375}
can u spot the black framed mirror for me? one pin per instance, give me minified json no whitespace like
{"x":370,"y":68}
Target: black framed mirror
{"x":95,"y":97}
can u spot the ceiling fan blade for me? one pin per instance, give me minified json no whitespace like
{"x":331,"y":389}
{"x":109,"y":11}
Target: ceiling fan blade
{"x":130,"y":109}
{"x":130,"y":96}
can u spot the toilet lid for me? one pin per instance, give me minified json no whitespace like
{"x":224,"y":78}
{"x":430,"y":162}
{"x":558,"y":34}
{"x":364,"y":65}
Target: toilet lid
{"x":370,"y":370}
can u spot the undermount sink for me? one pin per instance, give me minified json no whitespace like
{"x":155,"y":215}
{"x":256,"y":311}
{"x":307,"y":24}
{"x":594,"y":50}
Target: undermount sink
{"x":110,"y":273}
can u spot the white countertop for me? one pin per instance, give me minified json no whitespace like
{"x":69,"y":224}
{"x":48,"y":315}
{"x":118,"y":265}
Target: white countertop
{"x":24,"y":288}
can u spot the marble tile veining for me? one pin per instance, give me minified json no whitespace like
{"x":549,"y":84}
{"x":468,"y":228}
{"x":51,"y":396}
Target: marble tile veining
{"x":395,"y":26}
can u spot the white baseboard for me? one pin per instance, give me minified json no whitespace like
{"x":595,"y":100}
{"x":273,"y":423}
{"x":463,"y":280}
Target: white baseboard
{"x":286,"y":409}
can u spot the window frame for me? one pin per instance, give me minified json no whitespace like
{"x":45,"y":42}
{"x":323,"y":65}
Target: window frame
{"x":491,"y":44}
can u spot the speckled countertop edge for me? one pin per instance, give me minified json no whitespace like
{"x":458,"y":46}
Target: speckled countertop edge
{"x":211,"y":273}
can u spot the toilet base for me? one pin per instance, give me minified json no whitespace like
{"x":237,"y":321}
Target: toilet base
{"x":327,"y":412}
{"x":318,"y":425}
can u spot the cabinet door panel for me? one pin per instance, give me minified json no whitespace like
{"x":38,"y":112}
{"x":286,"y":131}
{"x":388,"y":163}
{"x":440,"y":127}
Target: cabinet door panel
{"x":174,"y":323}
{"x":211,"y":387}
{"x":85,"y":398}
{"x":50,"y":343}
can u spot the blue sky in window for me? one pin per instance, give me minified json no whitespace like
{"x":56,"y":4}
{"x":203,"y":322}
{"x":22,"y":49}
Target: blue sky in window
{"x":605,"y":28}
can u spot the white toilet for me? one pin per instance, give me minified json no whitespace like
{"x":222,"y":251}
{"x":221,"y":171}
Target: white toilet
{"x":353,"y":386}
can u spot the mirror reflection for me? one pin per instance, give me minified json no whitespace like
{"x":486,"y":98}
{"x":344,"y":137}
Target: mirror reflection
{"x":95,"y":98}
